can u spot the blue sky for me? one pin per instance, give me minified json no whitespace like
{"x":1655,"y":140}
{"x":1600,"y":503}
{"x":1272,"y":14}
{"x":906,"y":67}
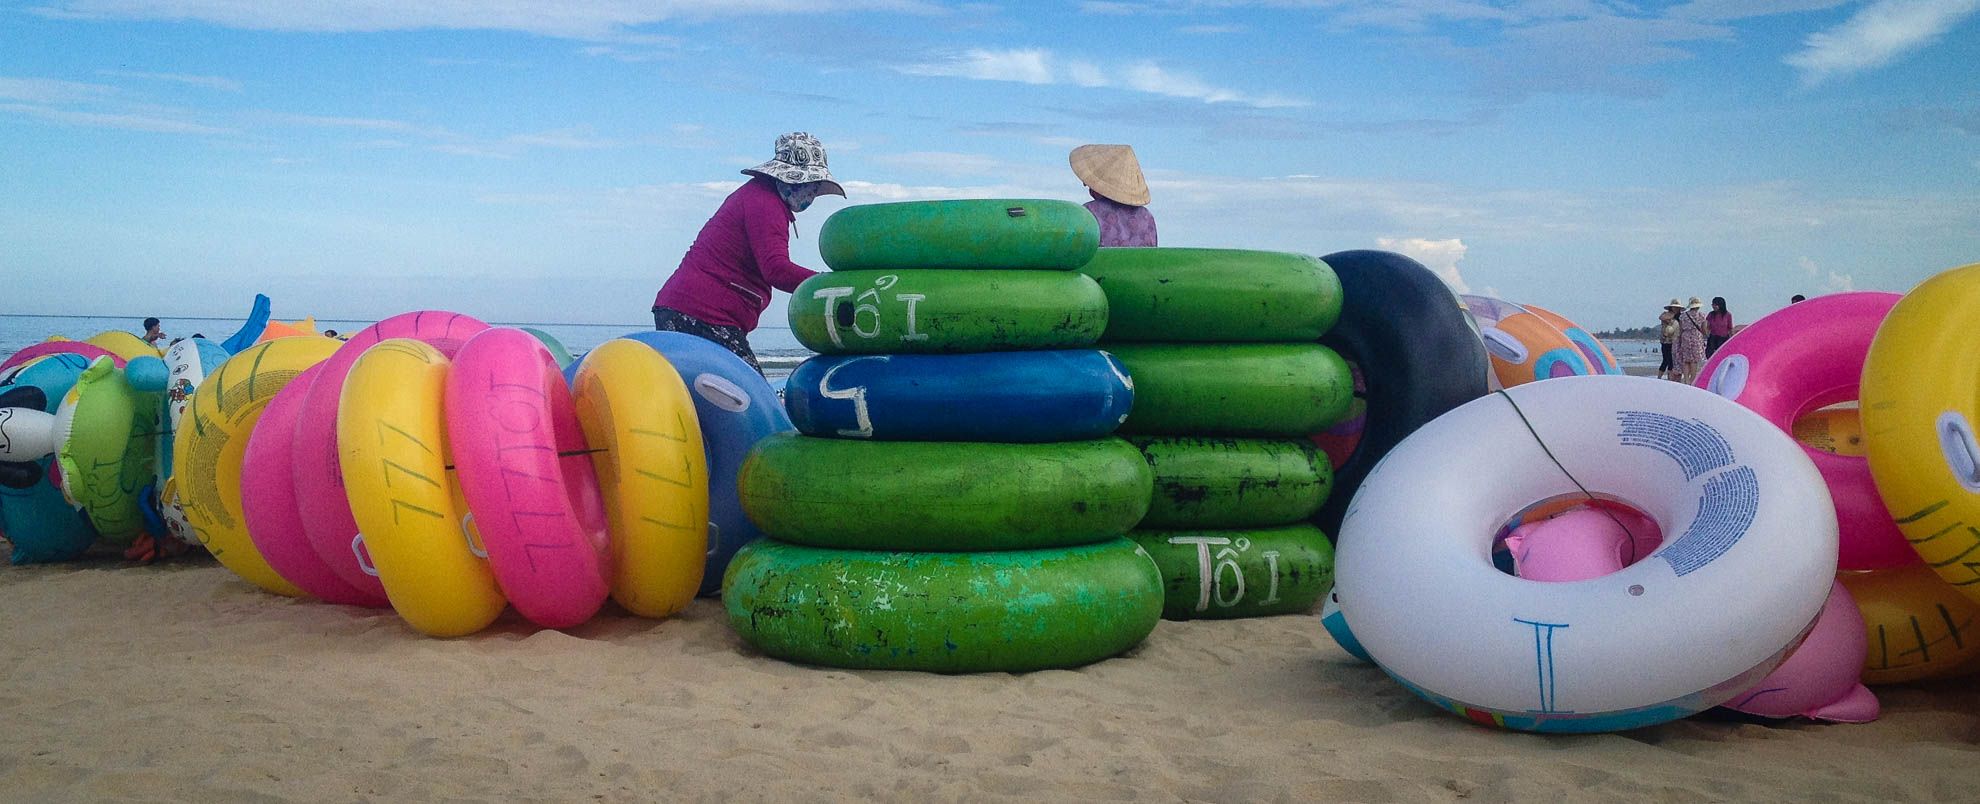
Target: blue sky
{"x":550,"y":161}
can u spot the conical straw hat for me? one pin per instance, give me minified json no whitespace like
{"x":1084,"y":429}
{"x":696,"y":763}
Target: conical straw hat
{"x":1112,"y":171}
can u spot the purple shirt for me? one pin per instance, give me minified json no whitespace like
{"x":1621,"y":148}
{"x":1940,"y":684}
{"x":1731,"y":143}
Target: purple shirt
{"x":740,"y":254}
{"x":1122,"y":225}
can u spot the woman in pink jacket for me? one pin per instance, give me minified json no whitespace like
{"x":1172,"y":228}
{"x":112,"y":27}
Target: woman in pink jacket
{"x":724,"y":282}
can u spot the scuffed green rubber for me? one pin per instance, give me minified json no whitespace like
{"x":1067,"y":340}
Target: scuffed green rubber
{"x":1284,"y":390}
{"x":1009,"y":611}
{"x":1020,"y":233}
{"x":1253,"y":573}
{"x":1233,"y":482}
{"x":894,"y":312}
{"x":941,"y":496}
{"x":1203,"y":295}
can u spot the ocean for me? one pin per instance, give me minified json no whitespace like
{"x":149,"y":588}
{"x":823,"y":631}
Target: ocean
{"x":777,"y":348}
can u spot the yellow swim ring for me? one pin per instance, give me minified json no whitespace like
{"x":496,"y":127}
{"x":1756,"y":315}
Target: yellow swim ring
{"x":1920,"y":628}
{"x":1837,"y":431}
{"x":208,"y":451}
{"x":1921,"y":404}
{"x":392,"y":449}
{"x":637,"y":414}
{"x":122,"y":344}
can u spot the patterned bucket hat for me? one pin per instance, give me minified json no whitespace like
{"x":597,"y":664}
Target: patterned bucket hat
{"x":800,"y":159}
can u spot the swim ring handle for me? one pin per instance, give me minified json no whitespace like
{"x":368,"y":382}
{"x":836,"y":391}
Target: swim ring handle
{"x":1962,"y":451}
{"x":363,"y":556}
{"x":473,"y":538}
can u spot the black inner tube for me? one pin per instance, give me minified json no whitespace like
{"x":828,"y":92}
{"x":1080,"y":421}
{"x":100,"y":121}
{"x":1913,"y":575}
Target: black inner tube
{"x":1419,"y":354}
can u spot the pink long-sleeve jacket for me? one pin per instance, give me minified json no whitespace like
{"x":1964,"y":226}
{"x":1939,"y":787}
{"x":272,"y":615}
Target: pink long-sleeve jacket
{"x":740,"y":254}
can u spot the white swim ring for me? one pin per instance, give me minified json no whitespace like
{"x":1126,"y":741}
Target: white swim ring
{"x":1686,"y":628}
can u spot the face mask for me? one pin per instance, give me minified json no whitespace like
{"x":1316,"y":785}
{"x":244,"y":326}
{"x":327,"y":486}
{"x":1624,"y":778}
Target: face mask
{"x":797,"y":197}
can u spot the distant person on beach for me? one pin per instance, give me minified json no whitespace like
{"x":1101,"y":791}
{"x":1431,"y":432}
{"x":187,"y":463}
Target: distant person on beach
{"x":152,"y":334}
{"x":1719,"y":326}
{"x":1797,"y":298}
{"x":1692,"y":327}
{"x":1667,"y":335}
{"x":1120,"y":195}
{"x":724,"y":281}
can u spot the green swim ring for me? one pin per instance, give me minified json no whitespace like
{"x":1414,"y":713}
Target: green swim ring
{"x":995,"y":233}
{"x":893,"y":312}
{"x":1009,"y":611}
{"x":942,"y":496}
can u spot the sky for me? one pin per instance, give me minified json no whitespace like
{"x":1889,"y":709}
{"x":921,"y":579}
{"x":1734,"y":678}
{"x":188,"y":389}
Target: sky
{"x":546,"y":160}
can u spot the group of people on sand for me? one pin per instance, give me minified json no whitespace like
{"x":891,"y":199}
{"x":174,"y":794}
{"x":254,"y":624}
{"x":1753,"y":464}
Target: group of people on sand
{"x":724,"y":282}
{"x":1690,"y":336}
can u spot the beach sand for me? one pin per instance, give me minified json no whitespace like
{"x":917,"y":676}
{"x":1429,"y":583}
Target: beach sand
{"x":181,"y":682}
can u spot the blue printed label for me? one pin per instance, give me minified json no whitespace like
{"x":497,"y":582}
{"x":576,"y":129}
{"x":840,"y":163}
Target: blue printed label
{"x":1695,"y":445}
{"x":1729,"y":500}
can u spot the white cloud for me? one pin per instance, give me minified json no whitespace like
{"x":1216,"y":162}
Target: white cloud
{"x":599,"y":20}
{"x":1203,"y":30}
{"x":1440,"y":256}
{"x":1878,"y":34}
{"x":1747,"y":9}
{"x":129,"y":122}
{"x":206,"y":81}
{"x":1833,"y":282}
{"x":49,"y":90}
{"x":1040,"y":66}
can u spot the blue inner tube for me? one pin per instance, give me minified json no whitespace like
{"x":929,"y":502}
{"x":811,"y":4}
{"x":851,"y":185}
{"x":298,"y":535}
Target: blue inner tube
{"x":1008,"y":397}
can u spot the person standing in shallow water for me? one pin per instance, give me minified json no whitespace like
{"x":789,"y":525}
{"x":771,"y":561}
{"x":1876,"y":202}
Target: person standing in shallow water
{"x":152,"y":333}
{"x":1120,"y":194}
{"x":723,"y":284}
{"x":1667,"y":334}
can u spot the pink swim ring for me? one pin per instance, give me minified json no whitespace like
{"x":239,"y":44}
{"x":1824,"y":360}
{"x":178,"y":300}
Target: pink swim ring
{"x":1800,"y":359}
{"x":319,"y":479}
{"x":520,"y":455}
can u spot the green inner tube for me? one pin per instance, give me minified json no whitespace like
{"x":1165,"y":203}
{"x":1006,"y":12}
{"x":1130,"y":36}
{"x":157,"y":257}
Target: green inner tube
{"x":1233,"y":482}
{"x":1009,"y":611}
{"x":108,"y":454}
{"x":1226,"y":574}
{"x":1282,"y":390}
{"x":978,"y":233}
{"x":1215,"y":295}
{"x":550,"y":342}
{"x":892,"y":312}
{"x":924,"y":495}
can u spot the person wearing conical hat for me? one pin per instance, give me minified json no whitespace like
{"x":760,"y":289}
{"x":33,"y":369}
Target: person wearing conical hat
{"x":1120,"y":195}
{"x":723,"y":284}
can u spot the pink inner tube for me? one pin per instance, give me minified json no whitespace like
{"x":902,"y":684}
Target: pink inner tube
{"x":268,"y":502}
{"x":1799,"y":359}
{"x":319,"y":480}
{"x":520,"y":456}
{"x":47,"y":348}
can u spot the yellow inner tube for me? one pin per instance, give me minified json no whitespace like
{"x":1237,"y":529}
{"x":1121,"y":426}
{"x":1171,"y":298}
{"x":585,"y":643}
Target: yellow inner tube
{"x":212,"y":445}
{"x":1919,"y":627}
{"x":637,"y":414}
{"x":392,"y":449}
{"x":1921,"y":403}
{"x":122,"y":344}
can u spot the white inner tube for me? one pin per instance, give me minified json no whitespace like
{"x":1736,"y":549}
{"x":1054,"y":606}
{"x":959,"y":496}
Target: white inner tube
{"x":1745,"y":567}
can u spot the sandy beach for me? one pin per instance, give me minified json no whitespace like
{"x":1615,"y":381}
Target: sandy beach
{"x":181,"y":682}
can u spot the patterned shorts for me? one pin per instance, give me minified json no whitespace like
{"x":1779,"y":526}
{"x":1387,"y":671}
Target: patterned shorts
{"x":667,"y":319}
